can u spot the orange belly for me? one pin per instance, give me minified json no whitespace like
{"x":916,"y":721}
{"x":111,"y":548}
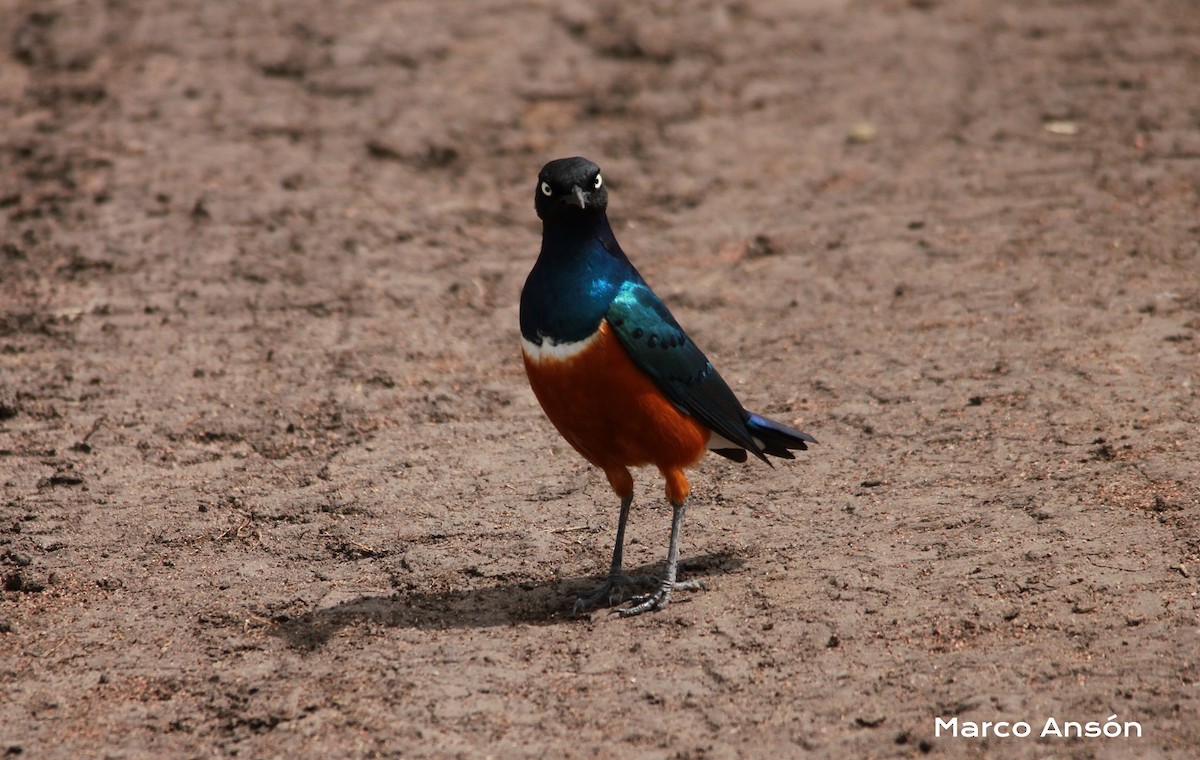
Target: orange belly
{"x":614,"y":415}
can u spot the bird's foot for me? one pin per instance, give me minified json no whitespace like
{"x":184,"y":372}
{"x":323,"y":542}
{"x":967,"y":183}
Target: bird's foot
{"x":610,"y":592}
{"x":660,"y":598}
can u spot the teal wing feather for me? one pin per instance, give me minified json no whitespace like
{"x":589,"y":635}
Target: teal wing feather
{"x":661,"y":349}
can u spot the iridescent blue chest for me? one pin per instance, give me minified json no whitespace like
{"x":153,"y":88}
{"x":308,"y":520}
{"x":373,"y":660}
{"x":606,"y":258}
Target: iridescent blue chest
{"x":575,"y":279}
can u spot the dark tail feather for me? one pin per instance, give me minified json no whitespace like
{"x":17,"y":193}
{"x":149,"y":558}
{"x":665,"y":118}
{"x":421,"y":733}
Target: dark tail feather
{"x":778,"y":440}
{"x":775,"y":439}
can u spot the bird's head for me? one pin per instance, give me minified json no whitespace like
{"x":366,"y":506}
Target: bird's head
{"x":569,"y":186}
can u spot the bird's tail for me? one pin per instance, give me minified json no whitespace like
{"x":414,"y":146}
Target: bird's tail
{"x":777,"y":439}
{"x":773,"y":438}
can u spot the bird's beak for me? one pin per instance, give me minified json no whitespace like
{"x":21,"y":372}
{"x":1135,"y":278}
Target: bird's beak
{"x":577,"y":197}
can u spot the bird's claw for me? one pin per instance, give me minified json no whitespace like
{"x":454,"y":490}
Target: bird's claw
{"x":660,"y":597}
{"x":610,"y":592}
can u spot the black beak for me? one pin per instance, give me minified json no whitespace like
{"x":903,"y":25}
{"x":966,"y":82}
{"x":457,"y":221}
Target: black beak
{"x":576,"y":198}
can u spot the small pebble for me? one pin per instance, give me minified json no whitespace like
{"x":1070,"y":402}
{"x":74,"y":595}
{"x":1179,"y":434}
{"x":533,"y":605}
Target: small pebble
{"x":862,"y":132}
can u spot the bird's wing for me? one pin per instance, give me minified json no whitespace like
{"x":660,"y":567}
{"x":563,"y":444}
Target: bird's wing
{"x":661,"y":349}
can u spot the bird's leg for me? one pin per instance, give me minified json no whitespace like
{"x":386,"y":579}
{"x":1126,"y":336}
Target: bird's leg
{"x":662,"y":596}
{"x":610,"y":591}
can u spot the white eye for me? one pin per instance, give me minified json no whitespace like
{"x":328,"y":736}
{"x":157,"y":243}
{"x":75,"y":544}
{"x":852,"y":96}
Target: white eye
{"x":546,"y":189}
{"x":599,"y":182}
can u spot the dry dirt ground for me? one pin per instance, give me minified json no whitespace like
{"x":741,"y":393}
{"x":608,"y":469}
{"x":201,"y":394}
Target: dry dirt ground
{"x":273,"y":483}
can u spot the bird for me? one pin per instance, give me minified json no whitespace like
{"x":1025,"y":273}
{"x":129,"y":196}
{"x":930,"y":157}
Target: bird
{"x":619,"y":378}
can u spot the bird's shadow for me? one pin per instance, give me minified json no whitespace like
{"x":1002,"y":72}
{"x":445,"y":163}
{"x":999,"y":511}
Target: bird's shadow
{"x":547,"y":602}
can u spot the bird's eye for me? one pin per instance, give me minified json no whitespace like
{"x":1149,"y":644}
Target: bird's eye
{"x":599,"y":182}
{"x":546,"y":189}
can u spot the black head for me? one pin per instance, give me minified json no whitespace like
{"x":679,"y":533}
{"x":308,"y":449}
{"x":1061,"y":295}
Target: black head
{"x":570,"y":186}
